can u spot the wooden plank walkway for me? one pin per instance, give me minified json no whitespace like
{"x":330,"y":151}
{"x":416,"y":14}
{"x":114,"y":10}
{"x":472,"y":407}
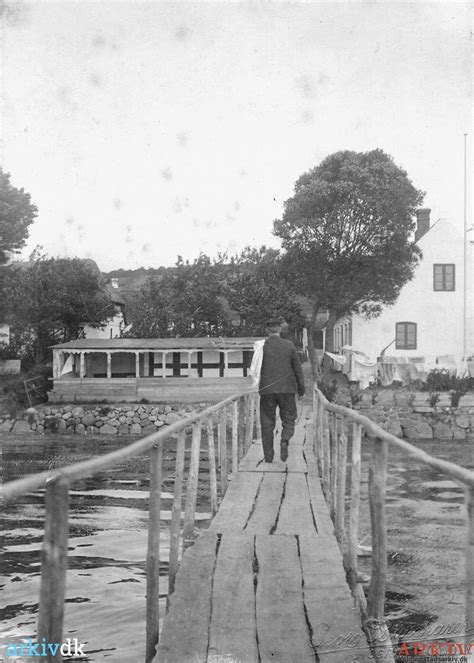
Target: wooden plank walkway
{"x":265,"y":582}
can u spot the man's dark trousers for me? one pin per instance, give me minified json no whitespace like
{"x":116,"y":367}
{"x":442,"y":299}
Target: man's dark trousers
{"x":268,"y":406}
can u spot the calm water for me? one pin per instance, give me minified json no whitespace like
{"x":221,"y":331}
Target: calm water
{"x":105,"y":607}
{"x":105,"y":593}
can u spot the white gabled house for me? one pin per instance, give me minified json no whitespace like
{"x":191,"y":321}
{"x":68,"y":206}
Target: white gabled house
{"x":426,"y":323}
{"x":116,"y":324}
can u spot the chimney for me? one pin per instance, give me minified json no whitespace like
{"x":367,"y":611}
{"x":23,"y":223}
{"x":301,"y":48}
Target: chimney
{"x":422,"y":222}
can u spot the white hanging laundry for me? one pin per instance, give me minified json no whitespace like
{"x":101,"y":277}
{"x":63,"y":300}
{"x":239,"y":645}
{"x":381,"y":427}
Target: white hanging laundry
{"x":256,"y":365}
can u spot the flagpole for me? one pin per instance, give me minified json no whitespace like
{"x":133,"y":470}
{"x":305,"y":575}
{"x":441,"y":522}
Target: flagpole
{"x":465,"y":253}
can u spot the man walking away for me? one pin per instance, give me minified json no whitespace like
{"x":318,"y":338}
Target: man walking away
{"x":281,"y":378}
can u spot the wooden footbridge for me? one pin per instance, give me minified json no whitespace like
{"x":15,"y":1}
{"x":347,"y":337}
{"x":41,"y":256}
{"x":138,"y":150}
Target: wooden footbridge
{"x":274,"y":578}
{"x":266,"y":582}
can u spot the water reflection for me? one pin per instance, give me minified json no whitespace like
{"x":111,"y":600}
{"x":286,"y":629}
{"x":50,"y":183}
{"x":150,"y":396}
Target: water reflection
{"x":105,"y":591}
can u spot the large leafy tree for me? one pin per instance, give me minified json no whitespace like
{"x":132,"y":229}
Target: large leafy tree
{"x":17,"y":213}
{"x":186,"y":300}
{"x":48,"y":300}
{"x":223,"y":297}
{"x":347,"y":234}
{"x":258,"y":288}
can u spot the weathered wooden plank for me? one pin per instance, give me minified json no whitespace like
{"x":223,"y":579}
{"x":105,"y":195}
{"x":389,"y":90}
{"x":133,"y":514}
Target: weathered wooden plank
{"x":185,"y":630}
{"x":281,"y":626}
{"x":324,"y":524}
{"x":233,"y":628}
{"x":253,"y":456}
{"x":295,"y":513}
{"x":296,"y":461}
{"x":238,"y":503}
{"x":267,"y":506}
{"x":336,"y":632}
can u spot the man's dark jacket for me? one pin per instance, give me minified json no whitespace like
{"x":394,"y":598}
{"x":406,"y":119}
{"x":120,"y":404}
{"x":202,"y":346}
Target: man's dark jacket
{"x":281,"y":368}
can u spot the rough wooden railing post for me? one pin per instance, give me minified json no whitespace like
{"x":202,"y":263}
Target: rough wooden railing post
{"x":341,"y":479}
{"x":241,"y":428}
{"x":153,"y":553}
{"x":469,"y":498}
{"x":354,"y":507}
{"x":176,"y":511}
{"x":375,"y":625}
{"x":212,"y":465}
{"x":257,"y":415}
{"x":223,"y":449}
{"x":191,"y":490}
{"x":54,"y":564}
{"x":235,"y":439}
{"x":327,"y":455}
{"x":316,"y":439}
{"x":252,"y":419}
{"x":334,"y":452}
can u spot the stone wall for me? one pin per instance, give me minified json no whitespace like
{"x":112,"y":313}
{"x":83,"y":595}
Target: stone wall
{"x":125,"y":419}
{"x":419,"y":414}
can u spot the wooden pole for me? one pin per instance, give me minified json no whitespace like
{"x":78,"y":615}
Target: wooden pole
{"x":469,"y":499}
{"x":251,"y":418}
{"x":235,"y":433}
{"x":176,"y":511}
{"x":375,"y":625}
{"x":258,"y":434}
{"x":327,"y":455}
{"x":191,"y":492}
{"x":333,"y":456}
{"x":316,"y":434}
{"x":212,"y":465}
{"x":153,"y":554}
{"x":354,"y":508}
{"x":341,"y":479}
{"x":241,"y":432}
{"x":54,"y":564}
{"x":223,"y":450}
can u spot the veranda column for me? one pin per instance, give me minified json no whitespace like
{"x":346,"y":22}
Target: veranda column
{"x":82,"y":365}
{"x":190,"y":354}
{"x":109,"y":365}
{"x":163,"y":366}
{"x":137,"y":364}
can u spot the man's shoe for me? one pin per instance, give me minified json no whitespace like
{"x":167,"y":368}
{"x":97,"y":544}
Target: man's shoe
{"x":284,"y":450}
{"x":267,"y":460}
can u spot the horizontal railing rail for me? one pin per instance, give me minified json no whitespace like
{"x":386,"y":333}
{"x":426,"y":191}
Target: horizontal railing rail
{"x":234,"y":418}
{"x":330,"y":431}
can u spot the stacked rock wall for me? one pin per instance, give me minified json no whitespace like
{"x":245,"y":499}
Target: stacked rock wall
{"x":419,"y":414}
{"x":125,"y":419}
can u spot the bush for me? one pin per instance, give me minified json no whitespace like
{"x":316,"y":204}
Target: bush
{"x":442,"y":380}
{"x":13,"y":388}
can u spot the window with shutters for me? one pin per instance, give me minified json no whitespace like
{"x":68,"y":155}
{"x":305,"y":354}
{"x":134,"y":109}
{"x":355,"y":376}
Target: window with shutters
{"x":443,"y":277}
{"x":405,"y":336}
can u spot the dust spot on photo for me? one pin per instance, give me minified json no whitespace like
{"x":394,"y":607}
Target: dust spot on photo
{"x":306,"y":86}
{"x":183,"y":138}
{"x":166,"y":174}
{"x":181,"y":33}
{"x":95,"y":80}
{"x":70,"y":221}
{"x":307,"y":116}
{"x":118,"y":204}
{"x":236,"y":205}
{"x":98,"y":41}
{"x":146,"y":248}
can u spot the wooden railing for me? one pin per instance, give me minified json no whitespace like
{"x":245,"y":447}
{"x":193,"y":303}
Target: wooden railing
{"x":330,"y":433}
{"x":235,"y":415}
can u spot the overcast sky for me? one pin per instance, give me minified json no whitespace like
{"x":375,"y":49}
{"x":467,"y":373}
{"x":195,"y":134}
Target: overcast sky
{"x":144,"y":130}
